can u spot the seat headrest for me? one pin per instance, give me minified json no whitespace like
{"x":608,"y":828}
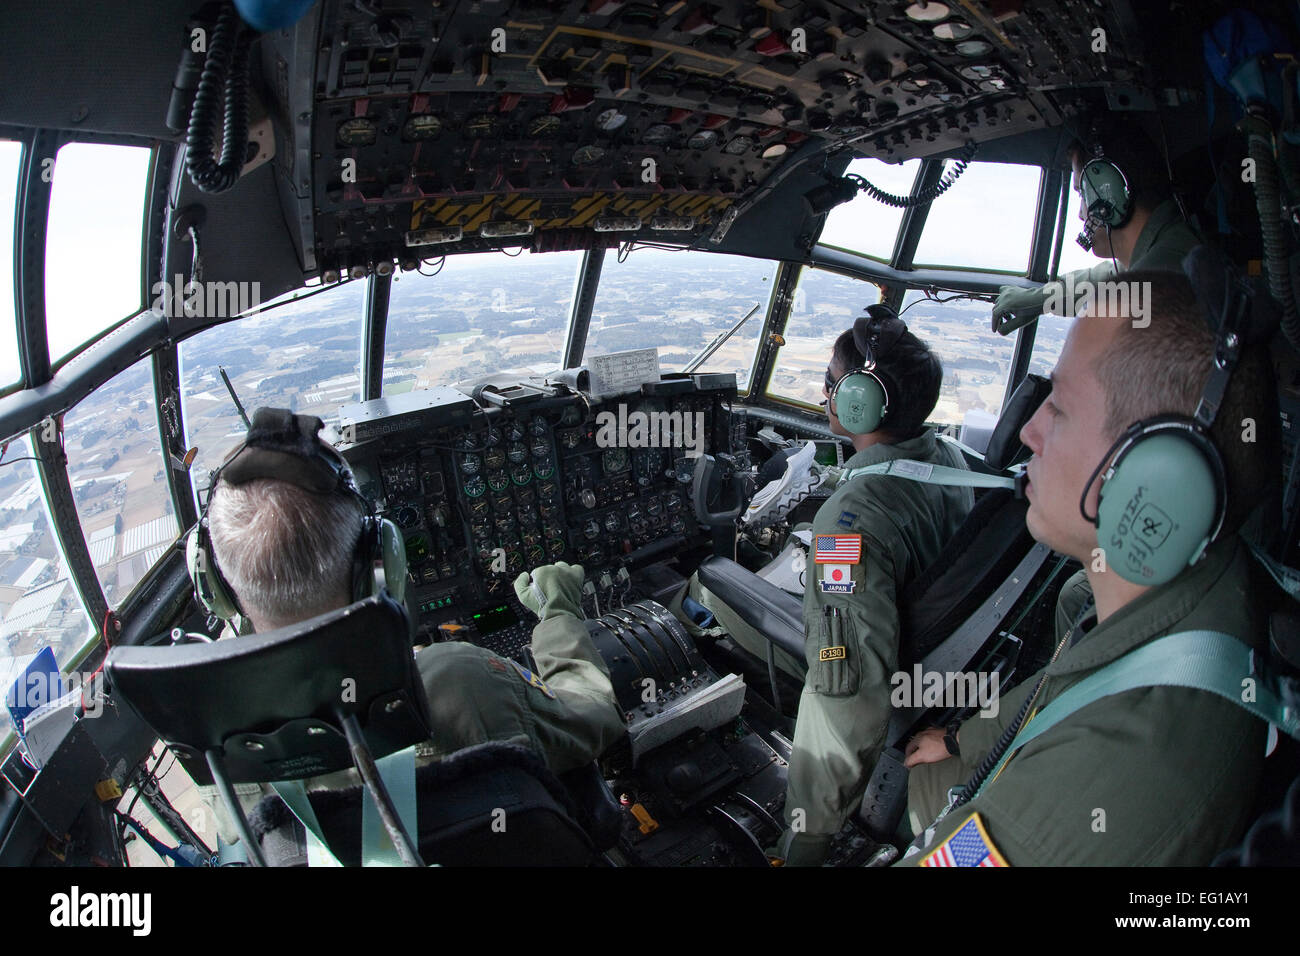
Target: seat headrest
{"x":1005,"y":448}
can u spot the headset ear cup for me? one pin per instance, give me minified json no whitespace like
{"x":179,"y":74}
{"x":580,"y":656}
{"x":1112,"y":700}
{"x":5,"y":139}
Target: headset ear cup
{"x":1160,"y":507}
{"x":210,"y":590}
{"x":393,"y":550}
{"x":1102,"y":181}
{"x":860,"y":402}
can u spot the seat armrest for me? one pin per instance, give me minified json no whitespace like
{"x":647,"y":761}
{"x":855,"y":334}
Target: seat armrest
{"x":773,"y":613}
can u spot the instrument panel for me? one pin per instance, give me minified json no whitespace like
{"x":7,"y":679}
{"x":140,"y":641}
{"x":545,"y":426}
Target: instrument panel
{"x":483,"y":493}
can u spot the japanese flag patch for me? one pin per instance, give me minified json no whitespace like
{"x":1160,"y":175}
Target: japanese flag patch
{"x":969,"y":845}
{"x":837,"y":579}
{"x":533,"y":680}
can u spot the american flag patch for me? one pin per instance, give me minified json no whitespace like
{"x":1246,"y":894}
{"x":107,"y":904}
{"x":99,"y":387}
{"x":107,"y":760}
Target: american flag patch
{"x":838,"y":549}
{"x":968,"y":846}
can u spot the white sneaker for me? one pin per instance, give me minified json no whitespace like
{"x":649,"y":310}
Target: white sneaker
{"x":778,"y":498}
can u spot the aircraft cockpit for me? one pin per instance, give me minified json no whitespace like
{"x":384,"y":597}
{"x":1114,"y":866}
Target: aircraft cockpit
{"x":565,"y":282}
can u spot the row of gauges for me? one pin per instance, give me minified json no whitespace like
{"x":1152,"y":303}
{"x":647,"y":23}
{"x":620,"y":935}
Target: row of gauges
{"x":363,"y":131}
{"x":496,"y":459}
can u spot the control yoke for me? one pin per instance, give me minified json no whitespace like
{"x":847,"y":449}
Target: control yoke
{"x":716,"y":484}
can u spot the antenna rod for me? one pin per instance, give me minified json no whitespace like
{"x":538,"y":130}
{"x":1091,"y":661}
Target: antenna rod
{"x":717,"y":342}
{"x":233,"y":397}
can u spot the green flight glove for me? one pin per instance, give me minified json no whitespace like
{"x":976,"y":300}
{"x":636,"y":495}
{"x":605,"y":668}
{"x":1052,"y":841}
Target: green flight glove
{"x":1016,"y":307}
{"x":554,"y":589}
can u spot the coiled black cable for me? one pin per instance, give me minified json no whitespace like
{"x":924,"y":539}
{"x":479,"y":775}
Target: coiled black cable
{"x":223,"y":84}
{"x":985,"y":767}
{"x":930,"y":193}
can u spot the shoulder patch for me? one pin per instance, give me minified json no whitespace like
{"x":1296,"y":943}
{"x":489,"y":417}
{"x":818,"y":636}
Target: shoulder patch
{"x":846,"y":519}
{"x":837,"y":579}
{"x":969,"y":845}
{"x":533,"y":680}
{"x":837,"y":548}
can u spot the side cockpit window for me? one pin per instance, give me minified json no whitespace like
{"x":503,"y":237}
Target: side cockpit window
{"x":94,"y":242}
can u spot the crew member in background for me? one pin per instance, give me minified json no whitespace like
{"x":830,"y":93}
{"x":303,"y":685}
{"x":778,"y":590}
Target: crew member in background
{"x":871,"y":538}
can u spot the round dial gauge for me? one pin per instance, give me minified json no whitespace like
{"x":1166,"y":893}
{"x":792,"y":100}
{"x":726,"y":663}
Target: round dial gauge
{"x":526,"y":498}
{"x":498,"y":480}
{"x":614,"y":461}
{"x":358,"y":131}
{"x":953,"y":30}
{"x":704,"y":139}
{"x":481,"y":125}
{"x":417,"y":548}
{"x":540,"y":447}
{"x":407,"y":516}
{"x":494,"y":458}
{"x":543,"y":467}
{"x":549,"y":512}
{"x":571,"y":439}
{"x":554,"y":547}
{"x":492,"y":437}
{"x":517,"y":452}
{"x":654,"y":507}
{"x":478,"y":509}
{"x":548,"y":491}
{"x":470,"y":464}
{"x":539,"y":426}
{"x":521,"y":474}
{"x":587,"y":155}
{"x":475,"y":486}
{"x":422,"y":127}
{"x":536,"y":555}
{"x":927,"y":12}
{"x":612,"y":521}
{"x":543,"y":126}
{"x":610,"y":120}
{"x":738,"y":145}
{"x":515,"y":431}
{"x":973,"y":48}
{"x":515,"y":562}
{"x":591,"y":529}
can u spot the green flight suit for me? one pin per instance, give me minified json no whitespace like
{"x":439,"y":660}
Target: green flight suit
{"x":845,"y":707}
{"x":475,"y":696}
{"x":1163,"y":243}
{"x":1151,"y":776}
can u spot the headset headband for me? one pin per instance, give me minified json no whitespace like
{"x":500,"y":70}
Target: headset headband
{"x":876,"y":333}
{"x":285,"y":446}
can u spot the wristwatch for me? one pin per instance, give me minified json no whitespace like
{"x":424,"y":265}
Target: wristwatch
{"x":950,"y":739}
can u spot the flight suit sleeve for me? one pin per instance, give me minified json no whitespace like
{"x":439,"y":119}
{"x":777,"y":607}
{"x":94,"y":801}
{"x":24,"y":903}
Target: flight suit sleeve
{"x":928,"y":783}
{"x":583,"y":719}
{"x":851,"y":646}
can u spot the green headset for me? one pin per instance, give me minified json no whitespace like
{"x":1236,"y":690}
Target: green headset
{"x":1163,"y":493}
{"x":284,"y":446}
{"x":1107,"y":199}
{"x":860,"y":398}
